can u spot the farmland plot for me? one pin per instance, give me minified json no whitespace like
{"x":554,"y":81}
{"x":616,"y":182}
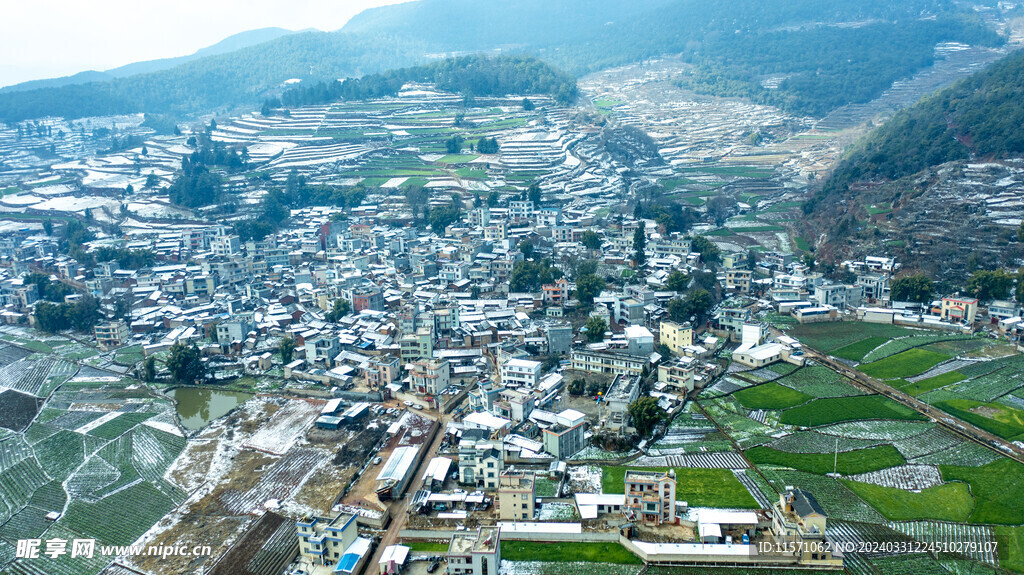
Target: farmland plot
{"x":952,"y":534}
{"x":907,"y":477}
{"x":877,"y":430}
{"x":286,"y":475}
{"x":284,"y":428}
{"x":990,"y":386}
{"x":833,"y":410}
{"x":819,"y":381}
{"x":814,"y":442}
{"x":965,"y":454}
{"x":107,"y":520}
{"x":931,"y":441}
{"x":17,"y":485}
{"x":904,"y":343}
{"x":856,"y":533}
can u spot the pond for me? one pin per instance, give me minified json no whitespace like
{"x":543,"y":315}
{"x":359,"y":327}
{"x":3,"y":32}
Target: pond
{"x":198,"y":406}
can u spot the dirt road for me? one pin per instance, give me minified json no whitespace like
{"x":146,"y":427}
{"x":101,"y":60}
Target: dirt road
{"x":400,"y":508}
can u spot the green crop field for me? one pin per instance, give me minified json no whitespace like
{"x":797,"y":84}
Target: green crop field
{"x":945,"y":502}
{"x":831,"y":336}
{"x":568,"y":551}
{"x":998,"y":490}
{"x":904,"y":364}
{"x":1011,"y":547}
{"x":427,"y":546}
{"x":1002,"y":420}
{"x":847,"y":462}
{"x":835,"y":409}
{"x":697,"y":486}
{"x":926,"y":385}
{"x":857,"y":350}
{"x":771,"y":396}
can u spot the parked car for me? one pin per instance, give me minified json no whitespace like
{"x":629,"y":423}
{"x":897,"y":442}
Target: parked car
{"x":433,"y":566}
{"x":417,"y":406}
{"x":377,"y":460}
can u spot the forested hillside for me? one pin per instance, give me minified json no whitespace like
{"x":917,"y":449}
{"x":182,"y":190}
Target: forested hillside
{"x":469,"y":75}
{"x":978,"y":117}
{"x":218,"y":82}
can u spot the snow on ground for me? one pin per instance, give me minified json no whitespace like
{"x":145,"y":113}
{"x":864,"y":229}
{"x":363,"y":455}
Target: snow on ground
{"x":77,"y":203}
{"x":279,"y":434}
{"x":394,"y":182}
{"x":98,"y":422}
{"x":557,"y":512}
{"x":585,"y":479}
{"x":164,"y":426}
{"x":910,"y":477}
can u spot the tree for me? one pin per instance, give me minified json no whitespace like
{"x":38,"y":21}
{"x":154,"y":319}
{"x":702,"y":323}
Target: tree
{"x":526,"y":248}
{"x":699,"y":302}
{"x":527,"y":276}
{"x":989,"y":285}
{"x":340,"y":310}
{"x":595,"y":327}
{"x":640,"y":245}
{"x":1020,"y":286}
{"x":533,"y":194}
{"x":591,"y":240}
{"x":145,"y":151}
{"x":751,"y":259}
{"x":48,"y":227}
{"x":912,"y":287}
{"x":84,"y":313}
{"x":589,"y":286}
{"x":1020,"y":232}
{"x":453,"y":145}
{"x":488,"y":146}
{"x":578,"y":386}
{"x":492,"y":199}
{"x":719,"y":209}
{"x":152,"y":180}
{"x":709,"y":252}
{"x":149,"y":369}
{"x":677,"y":281}
{"x":645,"y":413}
{"x":528,"y":105}
{"x":185,"y":364}
{"x":809,"y":261}
{"x":442,"y":217}
{"x":287,"y":349}
{"x":50,"y":317}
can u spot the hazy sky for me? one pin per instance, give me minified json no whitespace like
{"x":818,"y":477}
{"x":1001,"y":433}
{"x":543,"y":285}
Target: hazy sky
{"x":48,"y":38}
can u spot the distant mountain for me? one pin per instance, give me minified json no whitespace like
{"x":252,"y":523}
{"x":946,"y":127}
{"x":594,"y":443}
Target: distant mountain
{"x":229,"y":44}
{"x":835,"y":52}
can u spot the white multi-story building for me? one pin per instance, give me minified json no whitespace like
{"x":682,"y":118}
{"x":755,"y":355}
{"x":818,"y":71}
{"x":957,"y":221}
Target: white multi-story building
{"x":520,"y":373}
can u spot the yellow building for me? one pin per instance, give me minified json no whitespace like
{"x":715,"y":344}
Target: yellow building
{"x":516,"y":496}
{"x":676,"y":336}
{"x":958,"y":309}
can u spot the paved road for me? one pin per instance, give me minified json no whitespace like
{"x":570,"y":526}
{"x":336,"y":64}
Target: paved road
{"x":400,"y":508}
{"x":954,"y":424}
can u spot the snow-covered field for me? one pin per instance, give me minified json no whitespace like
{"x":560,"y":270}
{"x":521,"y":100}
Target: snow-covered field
{"x":909,"y":477}
{"x":279,"y":434}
